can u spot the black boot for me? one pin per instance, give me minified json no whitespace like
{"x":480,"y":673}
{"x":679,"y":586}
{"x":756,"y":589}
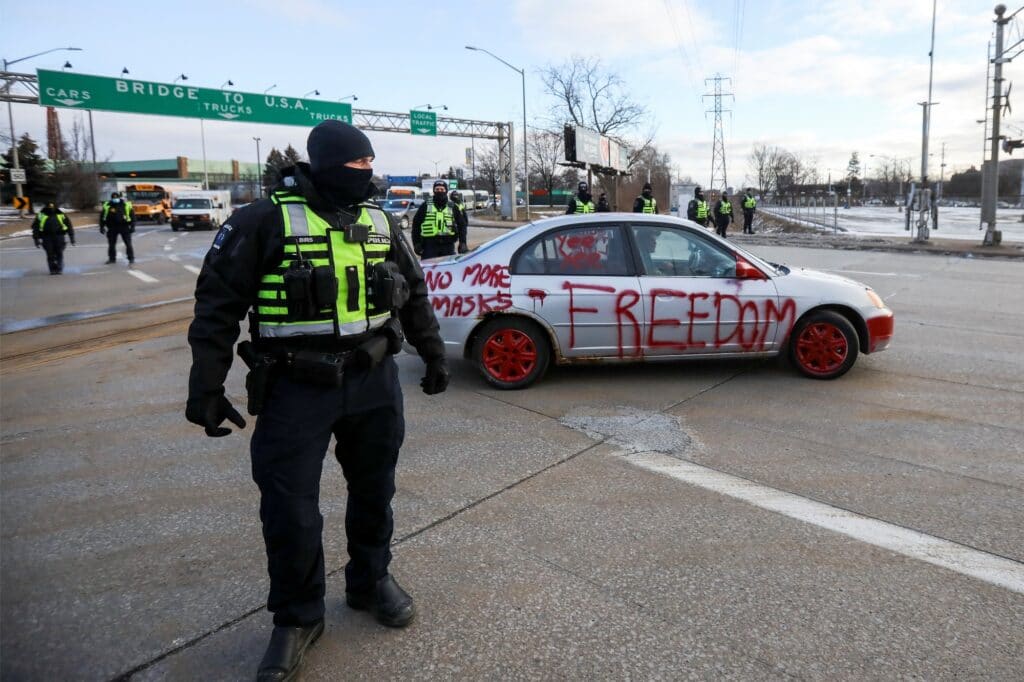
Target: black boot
{"x":285,"y":651}
{"x":390,"y":604}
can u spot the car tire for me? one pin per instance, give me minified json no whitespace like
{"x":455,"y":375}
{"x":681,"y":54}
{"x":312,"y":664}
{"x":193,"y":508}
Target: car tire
{"x":823,"y":345}
{"x":511,"y":352}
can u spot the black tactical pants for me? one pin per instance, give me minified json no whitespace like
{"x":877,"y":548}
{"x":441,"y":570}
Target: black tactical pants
{"x":435,"y":246}
{"x":748,"y":222}
{"x":721,"y":225}
{"x":54,"y":245}
{"x":288,"y":446}
{"x":126,"y":236}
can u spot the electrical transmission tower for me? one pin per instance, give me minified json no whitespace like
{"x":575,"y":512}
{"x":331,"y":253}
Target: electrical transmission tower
{"x":718,"y":176}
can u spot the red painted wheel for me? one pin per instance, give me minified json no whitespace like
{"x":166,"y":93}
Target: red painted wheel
{"x":511,"y":352}
{"x":824,"y":345}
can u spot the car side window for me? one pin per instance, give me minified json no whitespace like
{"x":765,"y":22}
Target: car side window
{"x":671,"y":252}
{"x":584,"y":250}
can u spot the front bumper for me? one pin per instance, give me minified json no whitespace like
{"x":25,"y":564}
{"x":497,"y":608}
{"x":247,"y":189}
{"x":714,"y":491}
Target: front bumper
{"x":880,"y":331}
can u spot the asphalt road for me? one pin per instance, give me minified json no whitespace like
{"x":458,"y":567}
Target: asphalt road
{"x":705,"y":520}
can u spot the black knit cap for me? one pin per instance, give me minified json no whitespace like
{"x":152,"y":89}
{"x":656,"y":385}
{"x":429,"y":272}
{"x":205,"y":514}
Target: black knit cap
{"x":647,"y":185}
{"x":334,"y":143}
{"x":440,"y":183}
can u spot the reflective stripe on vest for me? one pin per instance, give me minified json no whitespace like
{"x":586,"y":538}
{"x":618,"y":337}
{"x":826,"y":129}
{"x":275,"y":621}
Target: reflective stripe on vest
{"x":61,"y":218}
{"x":437,"y":223}
{"x":650,"y":205}
{"x":749,"y":202}
{"x":725,"y":208}
{"x":107,"y":206}
{"x":584,"y":207}
{"x":308,"y":235}
{"x":702,"y":209}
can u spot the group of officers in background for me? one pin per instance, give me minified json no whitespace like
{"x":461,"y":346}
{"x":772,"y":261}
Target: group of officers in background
{"x":720,"y":214}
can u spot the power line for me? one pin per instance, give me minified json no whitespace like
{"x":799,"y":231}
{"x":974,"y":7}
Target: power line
{"x":679,"y":44}
{"x":693,"y":36}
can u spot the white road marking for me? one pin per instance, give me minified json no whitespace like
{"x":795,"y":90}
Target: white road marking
{"x":139,"y":274}
{"x":174,"y":258}
{"x":191,"y":268}
{"x":930,"y":549}
{"x":167,"y":247}
{"x":172,"y":240}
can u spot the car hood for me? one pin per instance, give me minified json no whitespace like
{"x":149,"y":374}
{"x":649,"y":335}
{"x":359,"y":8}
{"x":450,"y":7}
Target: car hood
{"x":808,"y":274}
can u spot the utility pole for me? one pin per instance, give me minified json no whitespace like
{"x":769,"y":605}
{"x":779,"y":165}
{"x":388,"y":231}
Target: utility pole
{"x":926,"y":209}
{"x":718,"y":146}
{"x":990,"y":178}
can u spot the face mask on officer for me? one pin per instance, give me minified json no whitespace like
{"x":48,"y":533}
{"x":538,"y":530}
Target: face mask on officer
{"x":340,"y":159}
{"x":648,"y":192}
{"x":699,"y":193}
{"x":584,"y":191}
{"x":440,"y":195}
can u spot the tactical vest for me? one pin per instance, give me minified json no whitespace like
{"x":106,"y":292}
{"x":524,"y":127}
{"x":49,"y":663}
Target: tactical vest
{"x":584,"y":207}
{"x":461,"y":207}
{"x":749,"y":202}
{"x":437,"y":223}
{"x":309,"y":237}
{"x":61,"y":220}
{"x":702,"y":209}
{"x":127,"y":209}
{"x":725,"y":208}
{"x":650,"y":205}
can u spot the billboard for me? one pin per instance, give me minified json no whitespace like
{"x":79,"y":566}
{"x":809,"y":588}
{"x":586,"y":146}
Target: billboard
{"x":589,"y":147}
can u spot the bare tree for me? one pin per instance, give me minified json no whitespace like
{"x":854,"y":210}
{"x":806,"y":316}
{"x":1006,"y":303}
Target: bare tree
{"x":74,"y":175}
{"x":545,"y":153}
{"x":586,"y":94}
{"x":488,"y":170}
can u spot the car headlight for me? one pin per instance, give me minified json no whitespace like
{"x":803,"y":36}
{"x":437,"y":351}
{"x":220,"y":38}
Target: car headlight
{"x":875,"y":299}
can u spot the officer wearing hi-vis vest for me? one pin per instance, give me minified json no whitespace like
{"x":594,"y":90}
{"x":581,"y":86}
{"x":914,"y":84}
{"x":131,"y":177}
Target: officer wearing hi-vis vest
{"x":646,"y":203}
{"x":698,"y":210}
{"x":749,"y":204}
{"x":437,"y":225}
{"x":723,"y":214}
{"x":583,"y":202}
{"x":117,"y":219}
{"x":330,"y":286}
{"x":48,"y":230}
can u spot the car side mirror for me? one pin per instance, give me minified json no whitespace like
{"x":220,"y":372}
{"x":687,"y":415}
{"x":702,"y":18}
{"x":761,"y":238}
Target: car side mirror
{"x":220,"y":205}
{"x":745,"y":270}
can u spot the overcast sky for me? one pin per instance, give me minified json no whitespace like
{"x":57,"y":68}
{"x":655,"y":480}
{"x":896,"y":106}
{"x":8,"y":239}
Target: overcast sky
{"x":821,"y":78}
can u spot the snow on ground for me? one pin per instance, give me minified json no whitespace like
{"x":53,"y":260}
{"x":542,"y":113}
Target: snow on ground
{"x":954,"y":223}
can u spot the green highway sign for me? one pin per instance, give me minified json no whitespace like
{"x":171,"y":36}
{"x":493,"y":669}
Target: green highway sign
{"x":78,"y":91}
{"x":422,"y":122}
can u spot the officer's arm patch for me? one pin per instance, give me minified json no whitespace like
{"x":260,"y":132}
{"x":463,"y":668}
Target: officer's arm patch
{"x":222,"y":235}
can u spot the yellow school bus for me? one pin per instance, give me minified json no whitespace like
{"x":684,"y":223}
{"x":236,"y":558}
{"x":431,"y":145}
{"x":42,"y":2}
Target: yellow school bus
{"x":151,"y":202}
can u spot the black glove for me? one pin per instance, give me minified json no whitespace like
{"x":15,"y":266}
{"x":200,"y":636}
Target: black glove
{"x":37,"y":243}
{"x":131,"y":229}
{"x":418,"y":251}
{"x":103,"y":230}
{"x":209,"y":411}
{"x":436,"y":378}
{"x":73,"y":243}
{"x":463,"y":247}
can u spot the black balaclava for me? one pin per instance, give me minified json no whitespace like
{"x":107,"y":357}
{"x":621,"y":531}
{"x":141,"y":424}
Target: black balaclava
{"x":50,"y":209}
{"x":699,"y":193}
{"x":647,"y":190}
{"x":440,"y":197}
{"x":330,"y":146}
{"x":583,"y":190}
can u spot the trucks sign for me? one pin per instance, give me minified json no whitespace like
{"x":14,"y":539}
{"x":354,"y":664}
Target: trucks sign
{"x":78,"y":91}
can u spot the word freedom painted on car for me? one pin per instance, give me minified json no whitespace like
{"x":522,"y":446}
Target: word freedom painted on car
{"x":73,"y":90}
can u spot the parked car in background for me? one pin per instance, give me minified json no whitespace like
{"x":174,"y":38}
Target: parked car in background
{"x":402,"y":210}
{"x":634,"y":288}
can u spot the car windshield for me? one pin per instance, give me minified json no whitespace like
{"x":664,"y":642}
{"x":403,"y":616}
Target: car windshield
{"x":192,"y":203}
{"x":396,"y":203}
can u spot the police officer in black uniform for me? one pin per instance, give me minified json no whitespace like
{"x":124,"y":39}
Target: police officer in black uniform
{"x":117,"y":219}
{"x":330,"y":285}
{"x":438,"y":224}
{"x":697,"y":210}
{"x":48,"y":230}
{"x":602,"y":204}
{"x":582,"y":202}
{"x":646,"y":203}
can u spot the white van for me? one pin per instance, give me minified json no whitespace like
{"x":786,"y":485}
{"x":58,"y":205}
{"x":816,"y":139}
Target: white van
{"x":202,"y":209}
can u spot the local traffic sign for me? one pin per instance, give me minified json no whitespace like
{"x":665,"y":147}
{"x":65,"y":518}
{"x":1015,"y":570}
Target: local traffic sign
{"x":422,"y":122}
{"x":17,"y":175}
{"x":79,"y":91}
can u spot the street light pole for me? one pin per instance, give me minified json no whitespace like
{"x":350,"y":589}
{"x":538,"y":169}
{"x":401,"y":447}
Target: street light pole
{"x":259,"y":168}
{"x":10,"y":114}
{"x":526,"y":166}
